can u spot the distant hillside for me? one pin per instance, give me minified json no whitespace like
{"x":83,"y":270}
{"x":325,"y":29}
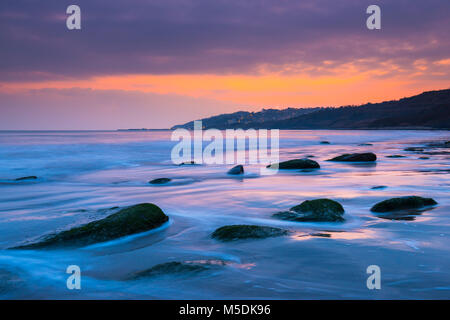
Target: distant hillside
{"x":428,"y":110}
{"x":243,"y":119}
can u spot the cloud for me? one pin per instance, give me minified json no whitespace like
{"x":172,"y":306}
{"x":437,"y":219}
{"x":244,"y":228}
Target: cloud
{"x":213,"y":37}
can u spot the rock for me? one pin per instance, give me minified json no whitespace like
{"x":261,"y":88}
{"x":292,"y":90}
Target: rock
{"x":424,"y":158}
{"x":355,"y":157}
{"x":321,"y":234}
{"x":318,"y":210}
{"x":26,"y":178}
{"x":236,"y":232}
{"x":365,"y":144}
{"x":324,"y":142}
{"x":160,"y":181}
{"x":187,"y":163}
{"x":296,"y":164}
{"x":135,"y":219}
{"x":414,"y":149}
{"x":239,"y":169}
{"x":395,"y":156}
{"x":170,"y":268}
{"x":378,"y":187}
{"x":403,"y":203}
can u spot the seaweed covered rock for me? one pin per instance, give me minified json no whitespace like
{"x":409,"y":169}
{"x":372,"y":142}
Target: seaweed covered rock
{"x":237,"y":232}
{"x":296,"y":164}
{"x":356,"y":157}
{"x":239,"y":169}
{"x":135,"y":219}
{"x":318,"y":210}
{"x":403,"y":203}
{"x":160,"y":181}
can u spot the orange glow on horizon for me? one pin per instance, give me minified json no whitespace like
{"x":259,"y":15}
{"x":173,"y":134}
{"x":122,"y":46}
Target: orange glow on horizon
{"x":343,"y":85}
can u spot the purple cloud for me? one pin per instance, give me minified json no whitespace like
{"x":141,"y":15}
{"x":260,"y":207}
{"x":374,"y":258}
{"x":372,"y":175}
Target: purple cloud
{"x":204,"y":36}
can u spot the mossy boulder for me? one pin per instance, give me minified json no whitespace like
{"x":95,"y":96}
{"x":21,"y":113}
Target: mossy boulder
{"x":160,"y":181}
{"x":239,"y":169}
{"x":296,"y":164}
{"x":403,"y":203}
{"x":135,"y":219}
{"x":356,"y":157}
{"x":238,"y":232}
{"x":318,"y":210}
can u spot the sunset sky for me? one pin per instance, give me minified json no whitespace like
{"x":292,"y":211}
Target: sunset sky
{"x":158,"y":63}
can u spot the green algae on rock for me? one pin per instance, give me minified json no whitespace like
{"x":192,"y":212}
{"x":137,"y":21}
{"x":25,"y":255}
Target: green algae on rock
{"x":318,"y":210}
{"x":135,"y":219}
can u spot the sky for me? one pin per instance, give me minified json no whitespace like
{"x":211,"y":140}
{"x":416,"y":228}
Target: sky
{"x":158,"y":63}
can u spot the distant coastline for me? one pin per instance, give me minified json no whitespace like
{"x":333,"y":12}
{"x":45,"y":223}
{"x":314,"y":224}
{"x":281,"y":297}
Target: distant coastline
{"x":426,"y":111}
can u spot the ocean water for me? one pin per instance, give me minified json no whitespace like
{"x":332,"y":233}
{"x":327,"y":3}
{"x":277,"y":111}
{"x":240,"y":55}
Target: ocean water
{"x":82,"y":175}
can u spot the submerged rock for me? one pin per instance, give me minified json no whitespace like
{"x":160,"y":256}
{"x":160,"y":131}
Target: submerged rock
{"x":239,"y":169}
{"x":403,"y":203}
{"x":174,"y":267}
{"x":378,"y":187}
{"x":356,"y":157}
{"x":160,"y":181}
{"x":237,"y":232}
{"x":414,"y":149}
{"x":440,"y":144}
{"x":318,"y":210}
{"x":296,"y":164}
{"x":135,"y":219}
{"x":26,"y":178}
{"x":10,"y":281}
{"x":321,"y":234}
{"x":396,"y":156}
